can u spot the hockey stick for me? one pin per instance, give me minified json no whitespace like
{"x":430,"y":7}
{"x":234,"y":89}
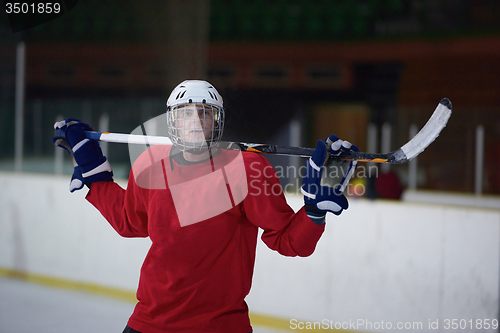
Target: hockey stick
{"x":411,"y":149}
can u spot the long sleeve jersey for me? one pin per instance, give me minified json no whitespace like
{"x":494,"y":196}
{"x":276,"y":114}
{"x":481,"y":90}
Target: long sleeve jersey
{"x":203,"y":222}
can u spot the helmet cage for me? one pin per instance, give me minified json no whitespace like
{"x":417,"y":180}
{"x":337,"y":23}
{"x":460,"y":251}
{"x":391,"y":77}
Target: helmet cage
{"x":185,"y":121}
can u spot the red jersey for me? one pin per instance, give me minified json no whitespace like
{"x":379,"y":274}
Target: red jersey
{"x":199,"y":270}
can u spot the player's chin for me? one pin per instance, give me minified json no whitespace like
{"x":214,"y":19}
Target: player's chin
{"x":196,"y":141}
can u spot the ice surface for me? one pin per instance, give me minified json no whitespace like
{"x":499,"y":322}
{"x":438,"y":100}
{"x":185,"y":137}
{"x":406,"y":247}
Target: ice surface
{"x":28,"y":307}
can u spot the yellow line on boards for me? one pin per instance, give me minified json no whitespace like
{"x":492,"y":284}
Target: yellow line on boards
{"x":258,"y":320}
{"x":115,"y":293}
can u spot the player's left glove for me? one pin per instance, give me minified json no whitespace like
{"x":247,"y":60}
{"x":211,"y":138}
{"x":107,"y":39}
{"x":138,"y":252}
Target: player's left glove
{"x":90,"y":164}
{"x":325,"y":179}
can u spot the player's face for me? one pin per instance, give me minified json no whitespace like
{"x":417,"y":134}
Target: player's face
{"x":194,"y":122}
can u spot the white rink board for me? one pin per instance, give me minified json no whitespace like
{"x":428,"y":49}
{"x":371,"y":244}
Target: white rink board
{"x":379,"y":262}
{"x":47,"y":230}
{"x":388,"y":262}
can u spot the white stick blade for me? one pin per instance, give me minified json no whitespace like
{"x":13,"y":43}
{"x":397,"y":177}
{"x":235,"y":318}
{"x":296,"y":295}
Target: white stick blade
{"x":430,"y":131}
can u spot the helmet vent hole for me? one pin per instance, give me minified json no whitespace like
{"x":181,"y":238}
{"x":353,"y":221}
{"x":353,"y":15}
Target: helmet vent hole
{"x":213,"y":95}
{"x":181,"y":94}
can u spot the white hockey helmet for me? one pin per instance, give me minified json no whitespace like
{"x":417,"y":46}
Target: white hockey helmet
{"x":200,"y":93}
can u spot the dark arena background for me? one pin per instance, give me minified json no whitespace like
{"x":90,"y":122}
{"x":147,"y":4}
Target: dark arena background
{"x":422,"y":242}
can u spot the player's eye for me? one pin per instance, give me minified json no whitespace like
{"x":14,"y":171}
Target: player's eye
{"x":205,"y":113}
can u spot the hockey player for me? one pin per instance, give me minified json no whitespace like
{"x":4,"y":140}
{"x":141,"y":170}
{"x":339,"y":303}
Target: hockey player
{"x":198,"y":271}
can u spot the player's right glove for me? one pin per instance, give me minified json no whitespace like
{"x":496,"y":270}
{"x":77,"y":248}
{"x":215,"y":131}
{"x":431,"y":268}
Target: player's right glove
{"x":90,"y":164}
{"x":324,"y":192}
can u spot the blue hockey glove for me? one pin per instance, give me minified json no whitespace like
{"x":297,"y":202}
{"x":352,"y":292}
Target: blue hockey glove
{"x":338,"y":172}
{"x":325,"y":179}
{"x":90,"y":164}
